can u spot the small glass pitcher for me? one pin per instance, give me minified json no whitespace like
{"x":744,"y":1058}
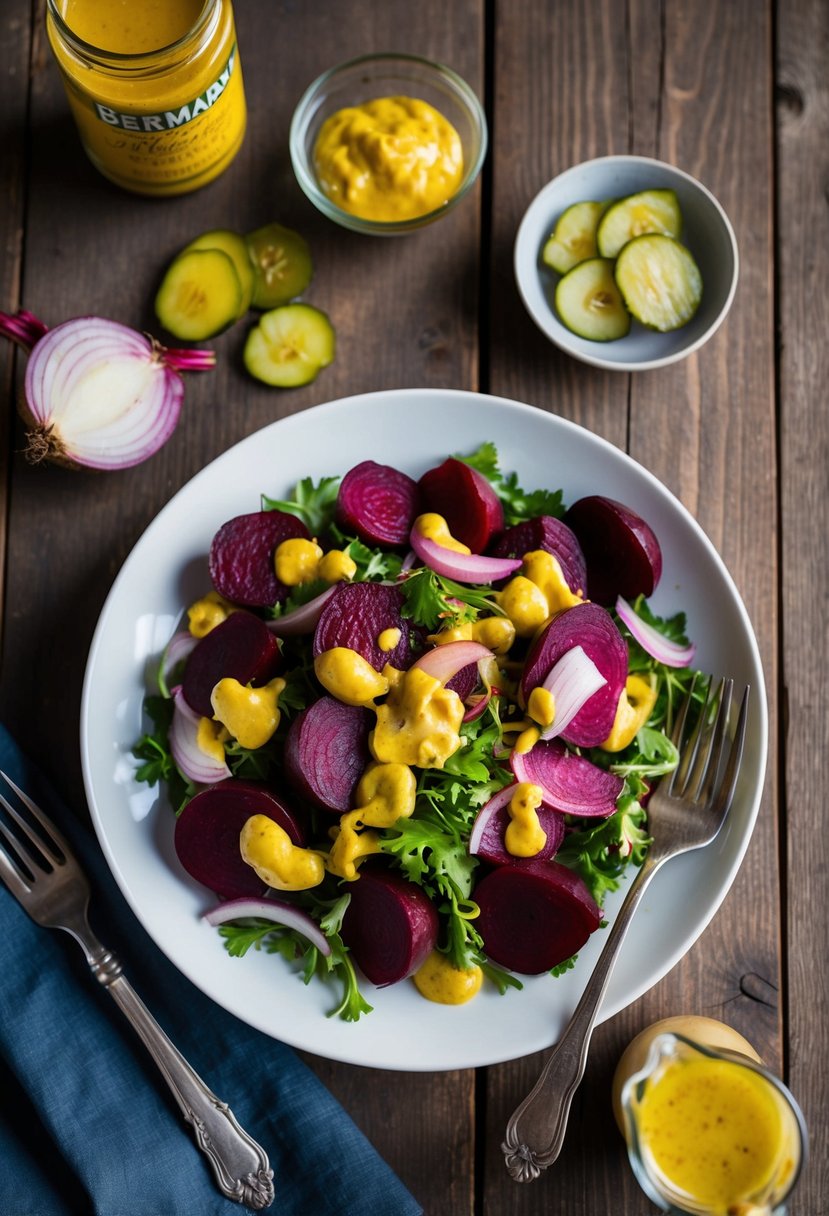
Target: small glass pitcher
{"x":776,"y":1112}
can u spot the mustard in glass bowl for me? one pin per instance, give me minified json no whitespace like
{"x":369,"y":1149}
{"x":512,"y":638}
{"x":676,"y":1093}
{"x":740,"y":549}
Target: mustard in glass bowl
{"x":711,"y":1132}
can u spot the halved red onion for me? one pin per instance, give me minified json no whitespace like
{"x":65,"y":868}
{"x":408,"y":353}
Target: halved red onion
{"x":572,"y":682}
{"x":464,"y":567}
{"x":302,"y":619}
{"x":193,"y":763}
{"x":180,"y":646}
{"x":443,"y":662}
{"x":654,"y":643}
{"x":270,"y":909}
{"x":98,"y":394}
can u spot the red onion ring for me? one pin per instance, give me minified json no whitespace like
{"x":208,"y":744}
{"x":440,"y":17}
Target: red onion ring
{"x":270,"y":909}
{"x":654,"y":643}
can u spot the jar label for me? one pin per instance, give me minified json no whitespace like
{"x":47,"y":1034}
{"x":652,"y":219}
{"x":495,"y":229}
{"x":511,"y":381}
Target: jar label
{"x":170,"y":120}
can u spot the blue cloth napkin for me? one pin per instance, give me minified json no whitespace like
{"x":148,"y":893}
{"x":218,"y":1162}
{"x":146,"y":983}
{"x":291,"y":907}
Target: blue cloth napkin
{"x":88,"y":1127}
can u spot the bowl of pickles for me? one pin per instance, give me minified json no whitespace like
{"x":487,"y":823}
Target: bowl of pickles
{"x":626,"y":262}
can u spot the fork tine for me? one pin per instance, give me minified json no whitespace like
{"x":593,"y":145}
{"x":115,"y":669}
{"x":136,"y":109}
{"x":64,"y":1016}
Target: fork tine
{"x":706,"y":761}
{"x":679,"y":729}
{"x":686,"y":768}
{"x":13,"y":876}
{"x":725,"y":794}
{"x":17,"y":853}
{"x":708,"y":780}
{"x":53,"y":835}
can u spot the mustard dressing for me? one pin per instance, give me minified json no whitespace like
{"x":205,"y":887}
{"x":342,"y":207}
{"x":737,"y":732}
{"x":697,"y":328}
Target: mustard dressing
{"x":434,"y":527}
{"x":280,"y":863}
{"x":389,"y":159}
{"x":251,"y":715}
{"x":439,"y":980}
{"x":384,"y":794}
{"x":540,"y":591}
{"x":298,"y":561}
{"x":418,"y":724}
{"x":525,"y":836}
{"x":208,"y":612}
{"x":635,"y":707}
{"x":349,"y":677}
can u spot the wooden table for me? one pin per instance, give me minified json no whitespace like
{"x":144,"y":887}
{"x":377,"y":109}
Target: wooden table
{"x":733,"y":91}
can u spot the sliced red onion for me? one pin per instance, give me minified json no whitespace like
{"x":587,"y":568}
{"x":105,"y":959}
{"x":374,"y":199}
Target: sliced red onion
{"x":443,"y":662}
{"x":270,"y":909}
{"x":477,"y":704}
{"x":464,"y":567}
{"x":193,"y":763}
{"x":485,"y":814}
{"x":302,"y":619}
{"x":654,"y":643}
{"x":180,"y":646}
{"x":572,"y":682}
{"x":407,"y":563}
{"x":98,"y":394}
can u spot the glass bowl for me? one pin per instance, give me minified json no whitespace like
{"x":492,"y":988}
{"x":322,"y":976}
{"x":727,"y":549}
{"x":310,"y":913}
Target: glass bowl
{"x":386,"y":75}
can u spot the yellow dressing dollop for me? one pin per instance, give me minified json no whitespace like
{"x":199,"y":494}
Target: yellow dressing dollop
{"x":387,"y":639}
{"x":635,"y":707}
{"x":336,"y":566}
{"x":525,"y":836}
{"x":541,"y":706}
{"x":208,"y":612}
{"x":210,"y":739}
{"x":251,"y":715}
{"x":391,"y":158}
{"x":537,"y":593}
{"x":298,"y":561}
{"x":434,"y":527}
{"x":439,"y":980}
{"x":280,"y":863}
{"x":384,"y":794}
{"x":418,"y":723}
{"x":349,"y":677}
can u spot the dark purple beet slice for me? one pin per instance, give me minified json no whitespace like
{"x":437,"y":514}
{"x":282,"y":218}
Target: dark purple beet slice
{"x":207,"y":835}
{"x":390,"y":926}
{"x":622,"y":553}
{"x":550,"y":534}
{"x":465,"y":499}
{"x":241,"y":557}
{"x":378,"y":503}
{"x":466,"y":681}
{"x":357,"y":614}
{"x":326,"y":752}
{"x":591,"y":627}
{"x":571,"y":783}
{"x":491,"y":846}
{"x":534,"y":916}
{"x":241,"y":648}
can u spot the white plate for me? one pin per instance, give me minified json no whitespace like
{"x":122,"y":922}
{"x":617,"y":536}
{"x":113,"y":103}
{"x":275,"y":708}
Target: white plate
{"x":414,"y":430}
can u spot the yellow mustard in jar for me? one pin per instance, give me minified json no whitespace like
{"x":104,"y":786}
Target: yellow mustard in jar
{"x":389,"y":159}
{"x":155,"y":88}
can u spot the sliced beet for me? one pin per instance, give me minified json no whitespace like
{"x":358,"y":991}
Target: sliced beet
{"x":534,"y":916}
{"x":465,"y":499}
{"x":207,"y":834}
{"x":572,"y":783}
{"x":326,"y":752}
{"x":390,"y":926}
{"x":591,"y":627}
{"x":241,"y":648}
{"x":357,"y":614}
{"x":487,"y":839}
{"x":241,"y":557}
{"x":378,"y":503}
{"x":552,"y":536}
{"x":621,"y":550}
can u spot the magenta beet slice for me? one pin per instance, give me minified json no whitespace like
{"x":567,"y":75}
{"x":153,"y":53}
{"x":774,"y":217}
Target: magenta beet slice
{"x":571,"y":783}
{"x":390,"y":926}
{"x":241,"y":557}
{"x":465,"y":499}
{"x":622,"y":553}
{"x":591,"y":627}
{"x":357,"y":614}
{"x":378,"y":503}
{"x":550,"y":534}
{"x":207,"y":835}
{"x":241,"y":648}
{"x":534,"y":916}
{"x":326,"y":752}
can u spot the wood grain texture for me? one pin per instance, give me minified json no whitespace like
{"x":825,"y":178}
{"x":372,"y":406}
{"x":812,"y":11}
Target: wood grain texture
{"x":803,"y":249}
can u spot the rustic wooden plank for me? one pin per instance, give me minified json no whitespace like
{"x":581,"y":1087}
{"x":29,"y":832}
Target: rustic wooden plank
{"x":689,"y":84}
{"x":802,"y":51}
{"x":406,"y":313}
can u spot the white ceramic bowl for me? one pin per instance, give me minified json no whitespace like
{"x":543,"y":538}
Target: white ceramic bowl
{"x":707,"y":232}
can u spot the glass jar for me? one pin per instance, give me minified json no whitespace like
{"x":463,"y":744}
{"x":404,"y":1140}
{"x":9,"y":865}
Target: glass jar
{"x":160,"y":107}
{"x":711,"y":1132}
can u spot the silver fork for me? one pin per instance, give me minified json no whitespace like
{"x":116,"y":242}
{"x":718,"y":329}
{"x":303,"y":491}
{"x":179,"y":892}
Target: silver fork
{"x":685,"y":812}
{"x":40,"y":870}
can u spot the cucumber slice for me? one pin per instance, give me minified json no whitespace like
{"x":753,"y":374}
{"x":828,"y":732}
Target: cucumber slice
{"x":290,"y":345}
{"x":636,"y":215}
{"x":574,"y":237}
{"x":282,"y":266}
{"x":200,"y":295}
{"x":590,"y":304}
{"x":659,"y":281}
{"x":234,"y":246}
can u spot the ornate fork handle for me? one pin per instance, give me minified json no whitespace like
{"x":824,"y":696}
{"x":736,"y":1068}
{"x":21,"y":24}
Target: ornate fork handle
{"x":535,"y":1132}
{"x":240,"y":1165}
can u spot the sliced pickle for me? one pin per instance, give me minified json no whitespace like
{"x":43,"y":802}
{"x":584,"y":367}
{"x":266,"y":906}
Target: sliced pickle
{"x":290,"y":345}
{"x":638,"y":214}
{"x":590,"y":304}
{"x":282,"y":266}
{"x":574,"y":238}
{"x":200,"y":295}
{"x":236,"y":249}
{"x":660,"y":282}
